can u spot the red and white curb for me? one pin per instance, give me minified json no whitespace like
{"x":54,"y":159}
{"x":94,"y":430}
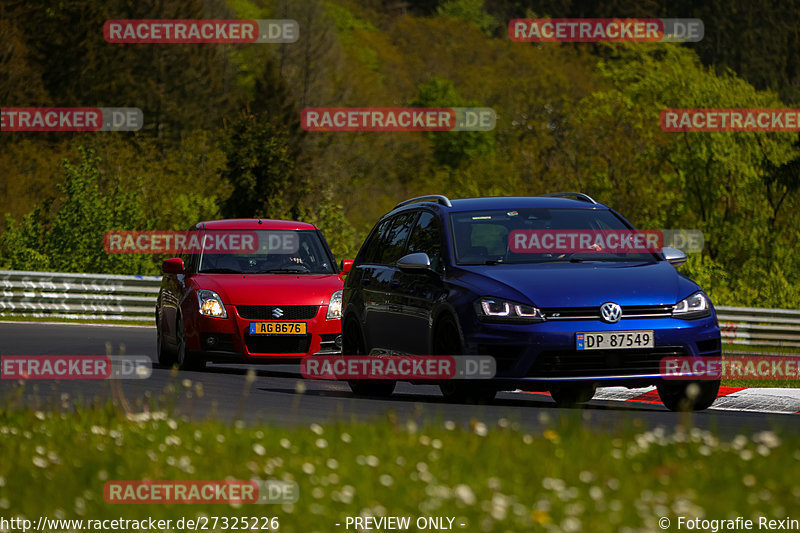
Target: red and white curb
{"x":757,"y":400}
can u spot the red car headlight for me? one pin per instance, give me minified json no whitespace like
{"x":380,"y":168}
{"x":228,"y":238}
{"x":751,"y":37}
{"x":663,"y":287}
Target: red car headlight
{"x":335,"y":306}
{"x":211,"y":304}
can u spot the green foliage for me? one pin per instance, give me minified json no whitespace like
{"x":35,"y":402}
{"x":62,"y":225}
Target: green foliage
{"x":718,"y":183}
{"x":66,"y":233}
{"x":471,"y":11}
{"x":351,"y":30}
{"x":77,"y":67}
{"x":452,"y":149}
{"x":260,"y":168}
{"x":20,"y":244}
{"x":329,"y":217}
{"x":179,"y":183}
{"x":346,"y":21}
{"x":570,"y":117}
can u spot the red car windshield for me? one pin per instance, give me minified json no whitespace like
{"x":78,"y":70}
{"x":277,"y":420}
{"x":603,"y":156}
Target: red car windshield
{"x":270,"y":252}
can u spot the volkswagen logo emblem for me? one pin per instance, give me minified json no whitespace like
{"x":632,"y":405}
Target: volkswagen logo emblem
{"x":278,"y":312}
{"x":611,"y":312}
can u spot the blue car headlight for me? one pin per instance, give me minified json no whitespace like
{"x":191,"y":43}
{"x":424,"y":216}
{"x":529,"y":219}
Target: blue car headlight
{"x":501,"y":310}
{"x":211,"y":304}
{"x":695,"y":306}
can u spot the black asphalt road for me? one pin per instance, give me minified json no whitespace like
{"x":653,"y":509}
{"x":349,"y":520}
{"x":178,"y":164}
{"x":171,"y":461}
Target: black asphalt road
{"x":279,"y":395}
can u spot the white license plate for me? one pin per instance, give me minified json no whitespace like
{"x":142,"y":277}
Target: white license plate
{"x":614,"y":340}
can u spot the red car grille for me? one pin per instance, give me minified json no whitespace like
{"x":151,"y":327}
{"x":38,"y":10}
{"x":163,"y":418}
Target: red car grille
{"x":288,"y":312}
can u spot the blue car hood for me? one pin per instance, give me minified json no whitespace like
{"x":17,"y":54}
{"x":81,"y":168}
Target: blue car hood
{"x":581,"y":284}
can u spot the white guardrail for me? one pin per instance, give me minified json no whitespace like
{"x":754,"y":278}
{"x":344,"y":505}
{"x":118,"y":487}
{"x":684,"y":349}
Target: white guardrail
{"x":78,"y":296}
{"x":112,"y":297}
{"x":759,"y":327}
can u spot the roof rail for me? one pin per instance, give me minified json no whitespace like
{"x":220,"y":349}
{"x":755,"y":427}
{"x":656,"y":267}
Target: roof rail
{"x":577,"y":195}
{"x":441,"y":199}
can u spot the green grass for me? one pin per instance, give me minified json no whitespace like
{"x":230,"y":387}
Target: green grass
{"x":565,"y":477}
{"x":77,"y":320}
{"x":760,"y":383}
{"x":727,"y":348}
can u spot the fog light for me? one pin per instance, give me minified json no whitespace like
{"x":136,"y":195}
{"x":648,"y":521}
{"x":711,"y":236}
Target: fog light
{"x":338,"y":341}
{"x":211,"y":341}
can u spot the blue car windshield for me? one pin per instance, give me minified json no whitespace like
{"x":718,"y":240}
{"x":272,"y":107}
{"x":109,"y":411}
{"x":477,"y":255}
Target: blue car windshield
{"x":537,"y":235}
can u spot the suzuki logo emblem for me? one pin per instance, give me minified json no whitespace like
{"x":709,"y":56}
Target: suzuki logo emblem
{"x":277,"y":312}
{"x":611,"y":312}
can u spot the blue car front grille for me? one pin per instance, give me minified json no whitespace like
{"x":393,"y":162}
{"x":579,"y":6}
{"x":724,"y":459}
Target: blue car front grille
{"x":591,"y":313}
{"x":644,"y":361}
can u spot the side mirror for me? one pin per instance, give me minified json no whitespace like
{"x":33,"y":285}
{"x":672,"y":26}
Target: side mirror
{"x":417,"y":261}
{"x":674,"y":256}
{"x":173,"y":265}
{"x":347,"y":264}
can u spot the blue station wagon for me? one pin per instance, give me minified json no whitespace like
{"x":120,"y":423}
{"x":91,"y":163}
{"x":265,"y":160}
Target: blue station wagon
{"x":441,"y":276}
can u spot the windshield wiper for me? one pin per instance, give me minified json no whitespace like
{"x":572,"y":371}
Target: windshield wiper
{"x":282,"y":271}
{"x":220,"y":271}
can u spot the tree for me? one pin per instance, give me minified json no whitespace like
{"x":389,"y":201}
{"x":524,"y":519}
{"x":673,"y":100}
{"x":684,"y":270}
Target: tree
{"x":471,"y":11}
{"x":65,"y":233}
{"x":261,"y":169}
{"x":728,"y":185}
{"x":450,"y":148}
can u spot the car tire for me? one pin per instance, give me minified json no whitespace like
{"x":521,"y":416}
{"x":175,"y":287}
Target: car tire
{"x":683,"y":397}
{"x":166,"y":355}
{"x":573,"y":394}
{"x":447,"y":341}
{"x":186,"y":359}
{"x":353,"y":344}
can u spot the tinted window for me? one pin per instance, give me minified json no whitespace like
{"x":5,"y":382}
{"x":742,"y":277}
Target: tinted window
{"x":278,"y":251}
{"x":483,"y":236}
{"x":425,"y":239}
{"x":394,"y":240}
{"x":189,"y":260}
{"x":371,"y":251}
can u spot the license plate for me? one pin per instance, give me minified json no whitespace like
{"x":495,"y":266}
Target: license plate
{"x":614,"y":340}
{"x":277,"y":328}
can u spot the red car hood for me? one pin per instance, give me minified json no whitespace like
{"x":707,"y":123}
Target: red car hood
{"x":272,"y":289}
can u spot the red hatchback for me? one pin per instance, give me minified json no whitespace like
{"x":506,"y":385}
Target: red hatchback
{"x":250,"y":290}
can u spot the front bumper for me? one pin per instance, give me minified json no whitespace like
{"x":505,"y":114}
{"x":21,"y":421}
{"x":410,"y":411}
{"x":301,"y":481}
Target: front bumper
{"x":229,"y":339}
{"x":535,"y":354}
